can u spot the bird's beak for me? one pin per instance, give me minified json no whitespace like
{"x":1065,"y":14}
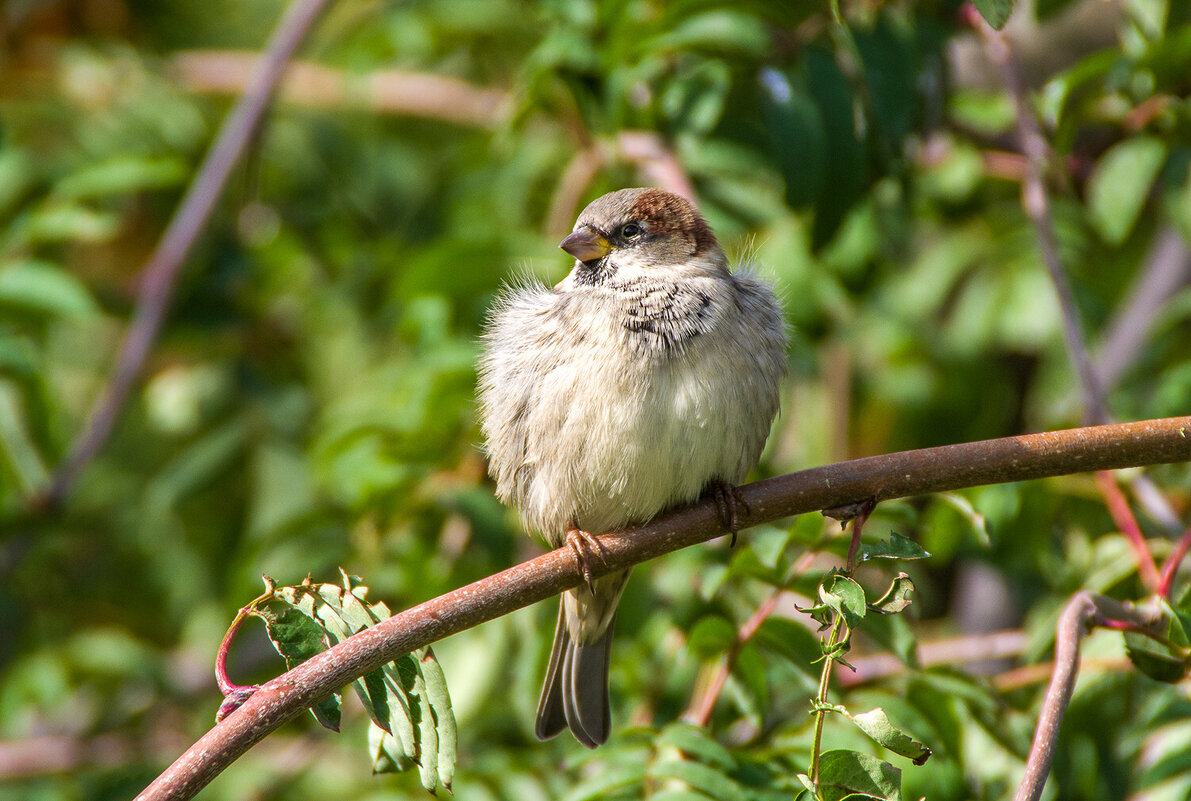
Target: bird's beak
{"x":586,"y":244}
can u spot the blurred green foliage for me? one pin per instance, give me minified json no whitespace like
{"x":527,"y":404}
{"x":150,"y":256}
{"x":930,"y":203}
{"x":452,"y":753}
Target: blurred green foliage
{"x":309,"y":404}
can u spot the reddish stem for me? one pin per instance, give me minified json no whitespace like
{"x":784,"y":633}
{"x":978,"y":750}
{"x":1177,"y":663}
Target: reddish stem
{"x":1171,"y":566}
{"x":701,"y":706}
{"x":1118,"y":507}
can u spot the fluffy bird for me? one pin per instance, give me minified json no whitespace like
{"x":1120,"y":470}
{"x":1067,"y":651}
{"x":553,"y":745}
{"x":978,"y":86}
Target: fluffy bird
{"x":647,"y":378}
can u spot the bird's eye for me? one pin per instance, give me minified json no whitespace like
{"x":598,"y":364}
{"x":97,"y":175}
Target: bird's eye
{"x":630,"y":230}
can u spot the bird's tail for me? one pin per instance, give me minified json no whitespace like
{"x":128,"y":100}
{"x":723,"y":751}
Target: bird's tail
{"x":575,"y":693}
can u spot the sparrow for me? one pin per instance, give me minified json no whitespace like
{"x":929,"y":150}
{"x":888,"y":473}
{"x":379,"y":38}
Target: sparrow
{"x":647,"y":378}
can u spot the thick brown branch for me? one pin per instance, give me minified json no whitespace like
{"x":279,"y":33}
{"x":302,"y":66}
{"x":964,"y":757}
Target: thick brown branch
{"x":895,"y":475}
{"x":161,"y":271}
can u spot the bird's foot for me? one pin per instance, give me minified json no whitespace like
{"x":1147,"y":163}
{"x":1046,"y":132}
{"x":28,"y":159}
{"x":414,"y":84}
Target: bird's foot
{"x":583,"y":545}
{"x":728,"y":504}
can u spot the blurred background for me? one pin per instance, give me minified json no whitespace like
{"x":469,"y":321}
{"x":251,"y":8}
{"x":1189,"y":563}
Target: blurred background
{"x":309,"y":403}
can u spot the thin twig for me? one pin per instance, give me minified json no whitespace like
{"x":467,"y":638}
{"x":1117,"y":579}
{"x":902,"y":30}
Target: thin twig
{"x":657,"y":162}
{"x":1166,"y":270}
{"x":161,"y":271}
{"x":1170,"y":261}
{"x":1082,"y":612}
{"x":895,"y":475}
{"x":1036,"y":204}
{"x":948,"y":651}
{"x":1039,"y":672}
{"x":580,"y":171}
{"x":700,"y":709}
{"x":415,"y":94}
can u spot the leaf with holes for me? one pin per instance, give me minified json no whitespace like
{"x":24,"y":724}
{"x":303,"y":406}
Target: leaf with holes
{"x":896,"y":598}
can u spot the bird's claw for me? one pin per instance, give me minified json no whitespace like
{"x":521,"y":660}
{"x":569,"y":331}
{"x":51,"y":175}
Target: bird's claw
{"x":583,"y":545}
{"x":728,"y":501}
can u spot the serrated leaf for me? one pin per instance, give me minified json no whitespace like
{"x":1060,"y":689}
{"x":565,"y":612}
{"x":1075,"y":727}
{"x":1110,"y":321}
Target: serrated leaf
{"x":427,"y":733}
{"x":896,"y":547}
{"x":875,"y":723}
{"x":845,"y":597}
{"x":844,"y":773}
{"x":696,"y":742}
{"x":297,"y":637}
{"x":387,"y":755}
{"x":1156,"y":660}
{"x":438,"y":701}
{"x":1121,"y":183}
{"x":896,"y":598}
{"x":413,"y":722}
{"x":995,"y":12}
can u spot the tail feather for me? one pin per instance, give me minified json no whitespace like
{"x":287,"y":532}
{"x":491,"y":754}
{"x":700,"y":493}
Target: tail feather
{"x":575,"y":693}
{"x":551,"y":717}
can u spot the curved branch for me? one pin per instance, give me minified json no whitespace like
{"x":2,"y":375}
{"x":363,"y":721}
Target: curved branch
{"x":1083,"y":612}
{"x":161,"y":271}
{"x":881,"y":477}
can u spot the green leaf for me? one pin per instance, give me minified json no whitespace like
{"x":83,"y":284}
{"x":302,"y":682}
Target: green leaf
{"x":895,"y":635}
{"x":995,"y":12}
{"x":695,"y":741}
{"x":438,"y":700}
{"x":896,"y":598}
{"x":297,"y":637}
{"x":387,"y":755}
{"x":38,"y":287}
{"x":700,"y":777}
{"x":962,"y":505}
{"x":748,"y":685}
{"x":618,"y":775}
{"x":846,"y":597}
{"x":797,"y":139}
{"x":723,"y":30}
{"x":843,"y":773}
{"x":676,"y":794}
{"x":1167,"y":662}
{"x":769,"y":543}
{"x":790,"y":640}
{"x":711,"y":636}
{"x":1121,"y":183}
{"x":122,"y":174}
{"x":897,"y":547}
{"x":407,"y":699}
{"x":18,"y":451}
{"x":875,"y":723}
{"x":63,"y":222}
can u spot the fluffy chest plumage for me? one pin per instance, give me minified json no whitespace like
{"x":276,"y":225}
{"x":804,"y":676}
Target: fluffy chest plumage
{"x":625,"y":403}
